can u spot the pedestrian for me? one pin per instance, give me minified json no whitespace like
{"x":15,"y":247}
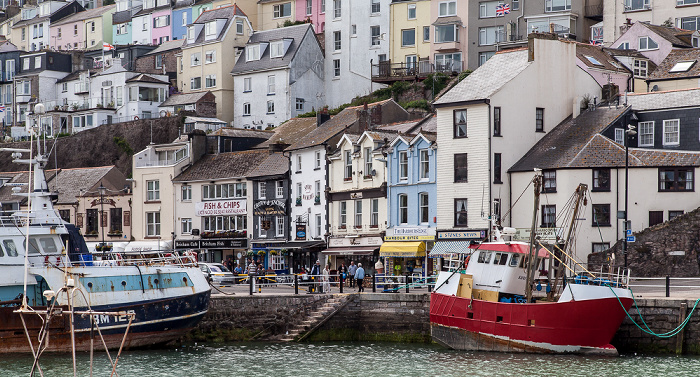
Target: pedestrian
{"x":327,"y":279}
{"x":351,"y":273}
{"x":251,"y":272}
{"x":359,"y":276}
{"x":343,"y":272}
{"x":236,"y":272}
{"x":315,"y":275}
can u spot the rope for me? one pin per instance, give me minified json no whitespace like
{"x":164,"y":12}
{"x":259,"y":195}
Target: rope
{"x":668,"y":334}
{"x":220,"y":291}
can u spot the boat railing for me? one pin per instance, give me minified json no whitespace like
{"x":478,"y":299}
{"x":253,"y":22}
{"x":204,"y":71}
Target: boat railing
{"x":616,"y":277}
{"x":19,"y":219}
{"x":109,"y":258}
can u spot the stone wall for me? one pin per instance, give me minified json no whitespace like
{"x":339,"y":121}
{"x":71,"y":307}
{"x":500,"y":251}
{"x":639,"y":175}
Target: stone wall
{"x":661,"y":315}
{"x":670,"y":248}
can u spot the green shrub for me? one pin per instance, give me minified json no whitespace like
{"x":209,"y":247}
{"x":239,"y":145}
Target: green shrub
{"x":123,"y":145}
{"x":417,"y":104}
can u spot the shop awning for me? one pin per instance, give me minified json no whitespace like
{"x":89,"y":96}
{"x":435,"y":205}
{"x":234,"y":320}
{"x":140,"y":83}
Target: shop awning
{"x":445,"y":248}
{"x":402,"y":249}
{"x":349,"y":251}
{"x":149,"y":246}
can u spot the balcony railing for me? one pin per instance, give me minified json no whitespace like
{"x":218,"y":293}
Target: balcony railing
{"x":88,"y":103}
{"x":399,"y":71}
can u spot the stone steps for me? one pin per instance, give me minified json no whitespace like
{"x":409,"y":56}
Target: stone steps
{"x":315,"y":317}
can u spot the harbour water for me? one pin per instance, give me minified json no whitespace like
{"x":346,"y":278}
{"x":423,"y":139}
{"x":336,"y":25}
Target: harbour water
{"x":351,"y":359}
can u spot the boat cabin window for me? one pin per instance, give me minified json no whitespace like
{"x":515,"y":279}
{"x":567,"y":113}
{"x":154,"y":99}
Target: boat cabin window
{"x":49,"y":245}
{"x":2,"y":254}
{"x":514,"y":260}
{"x":33,"y":246}
{"x":484,"y":257}
{"x":10,"y":248}
{"x":501,"y":259}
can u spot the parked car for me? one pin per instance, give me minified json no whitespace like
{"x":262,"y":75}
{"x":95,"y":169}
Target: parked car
{"x":217,"y":273}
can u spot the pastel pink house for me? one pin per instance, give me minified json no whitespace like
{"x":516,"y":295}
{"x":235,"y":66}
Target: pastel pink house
{"x":160,"y":21}
{"x":313,"y":10}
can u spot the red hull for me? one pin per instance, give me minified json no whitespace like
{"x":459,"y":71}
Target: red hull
{"x":575,"y":326}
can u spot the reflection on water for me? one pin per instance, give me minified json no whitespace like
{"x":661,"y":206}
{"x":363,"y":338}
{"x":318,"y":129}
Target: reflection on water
{"x":352,"y":359}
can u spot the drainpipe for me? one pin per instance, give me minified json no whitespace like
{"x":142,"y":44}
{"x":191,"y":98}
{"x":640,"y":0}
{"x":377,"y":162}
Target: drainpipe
{"x":522,"y":14}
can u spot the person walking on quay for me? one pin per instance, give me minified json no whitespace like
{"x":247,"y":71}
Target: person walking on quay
{"x":359,"y":276}
{"x":327,"y":279}
{"x":315,"y":275}
{"x":251,"y":272}
{"x":351,"y":273}
{"x":343,"y":273}
{"x":236,"y":272}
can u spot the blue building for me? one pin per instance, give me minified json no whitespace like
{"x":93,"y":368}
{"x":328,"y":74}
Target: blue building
{"x":412,"y":202}
{"x":182,"y":16}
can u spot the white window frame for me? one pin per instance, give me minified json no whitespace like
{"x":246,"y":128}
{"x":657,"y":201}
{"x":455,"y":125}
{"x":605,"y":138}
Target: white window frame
{"x":620,"y":136}
{"x":646,"y":40}
{"x":210,"y":81}
{"x":262,"y":190}
{"x":411,"y":12}
{"x":246,"y":109}
{"x":276,"y":49}
{"x":210,"y":57}
{"x":271,"y":84}
{"x":279,"y":226}
{"x":317,"y":163}
{"x":403,"y":165}
{"x":343,"y":213}
{"x":247,"y":85}
{"x":358,"y":213}
{"x":152,"y":190}
{"x":186,"y":193}
{"x":270,"y":107}
{"x":403,"y":209}
{"x":646,"y":129}
{"x":186,"y":225}
{"x":423,"y":207}
{"x":280,"y":189}
{"x":278,"y":10}
{"x":337,"y":9}
{"x":446,"y":12}
{"x":672,"y":132}
{"x":152,"y":224}
{"x":424,"y":164}
{"x":195,"y":59}
{"x":336,"y":67}
{"x":337,"y":40}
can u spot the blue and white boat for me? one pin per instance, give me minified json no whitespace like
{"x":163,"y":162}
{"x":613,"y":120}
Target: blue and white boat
{"x":163,"y":294}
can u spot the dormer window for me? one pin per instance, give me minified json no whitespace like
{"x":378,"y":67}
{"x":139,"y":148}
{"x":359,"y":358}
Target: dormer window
{"x":277,"y":49}
{"x":646,"y":43}
{"x":210,"y":30}
{"x":190,"y":34}
{"x":252,"y":52}
{"x":239,"y":27}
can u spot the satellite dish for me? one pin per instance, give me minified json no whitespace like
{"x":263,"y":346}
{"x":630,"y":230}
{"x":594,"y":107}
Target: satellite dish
{"x":655,"y":88}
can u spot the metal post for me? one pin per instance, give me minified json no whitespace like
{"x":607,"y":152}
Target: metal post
{"x":250,"y":283}
{"x":430,"y":287}
{"x":668,"y":286}
{"x":374,"y":284}
{"x":407,"y":285}
{"x":340,"y":277}
{"x":296,"y":284}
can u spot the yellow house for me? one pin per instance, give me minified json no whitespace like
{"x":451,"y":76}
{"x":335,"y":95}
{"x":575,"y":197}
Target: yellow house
{"x":249,"y":7}
{"x":410,"y":34}
{"x":209,"y":53}
{"x":273,"y":13}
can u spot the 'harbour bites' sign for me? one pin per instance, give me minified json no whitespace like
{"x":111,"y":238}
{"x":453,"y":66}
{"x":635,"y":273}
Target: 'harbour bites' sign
{"x":221,"y":207}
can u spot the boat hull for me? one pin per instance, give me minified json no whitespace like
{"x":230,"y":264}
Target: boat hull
{"x":585,"y":326}
{"x":156,"y":322}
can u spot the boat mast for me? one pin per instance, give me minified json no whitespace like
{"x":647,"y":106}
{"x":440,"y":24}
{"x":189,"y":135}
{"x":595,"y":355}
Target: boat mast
{"x":532,"y":261}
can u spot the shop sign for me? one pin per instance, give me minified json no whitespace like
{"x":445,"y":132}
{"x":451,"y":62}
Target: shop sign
{"x":224,"y":244}
{"x":107,"y":201}
{"x":301,"y":232}
{"x":221,"y":207}
{"x":544,"y":234}
{"x":355,"y":241}
{"x":462,"y":235}
{"x":308,"y":194}
{"x":411,"y":231}
{"x":409,"y":238}
{"x":270,"y":207}
{"x":187,"y":244}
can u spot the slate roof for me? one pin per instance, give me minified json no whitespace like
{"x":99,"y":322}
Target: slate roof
{"x":227,"y":12}
{"x":33,"y":20}
{"x":166,"y":46}
{"x":675,"y":56}
{"x":296,"y":32}
{"x":6,"y":194}
{"x":223,"y":165}
{"x":183,"y":99}
{"x":68,"y":183}
{"x":290,"y":131}
{"x":606,"y":61}
{"x":85,"y":15}
{"x":487,"y":79}
{"x":274,"y":164}
{"x":427,"y":124}
{"x":145,"y":11}
{"x":651,"y":66}
{"x":142,"y":77}
{"x":677,"y":37}
{"x":242,"y":132}
{"x":664,"y":100}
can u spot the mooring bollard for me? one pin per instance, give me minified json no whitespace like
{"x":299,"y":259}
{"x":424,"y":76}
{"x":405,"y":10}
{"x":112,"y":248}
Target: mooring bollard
{"x":668,"y":286}
{"x":341,"y":281}
{"x":250,"y":283}
{"x":296,"y":284}
{"x":374,"y":283}
{"x":407,"y":285}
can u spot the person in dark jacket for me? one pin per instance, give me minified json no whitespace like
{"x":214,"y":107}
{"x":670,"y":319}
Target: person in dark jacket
{"x":315,"y":275}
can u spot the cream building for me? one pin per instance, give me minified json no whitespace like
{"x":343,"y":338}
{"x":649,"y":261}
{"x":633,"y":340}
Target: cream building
{"x":409,"y":36}
{"x":273,"y":13}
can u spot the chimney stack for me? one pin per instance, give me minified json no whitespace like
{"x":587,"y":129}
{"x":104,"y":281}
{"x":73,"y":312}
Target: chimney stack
{"x":322,"y":116}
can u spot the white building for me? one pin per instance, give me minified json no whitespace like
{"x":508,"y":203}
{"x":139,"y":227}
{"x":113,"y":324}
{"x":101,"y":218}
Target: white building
{"x":356,"y":36}
{"x":482,"y":130}
{"x":681,"y":13}
{"x":279,"y":76}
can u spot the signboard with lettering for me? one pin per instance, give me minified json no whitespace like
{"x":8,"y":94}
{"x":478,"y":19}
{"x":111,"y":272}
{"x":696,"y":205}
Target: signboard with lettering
{"x":224,"y":244}
{"x":187,"y":244}
{"x":410,"y":231}
{"x":301,"y":231}
{"x":409,"y":238}
{"x":544,"y":234}
{"x":221,"y":207}
{"x":270,"y":207}
{"x":474,"y":234}
{"x":308,"y":194}
{"x":107,"y":201}
{"x":355,"y":241}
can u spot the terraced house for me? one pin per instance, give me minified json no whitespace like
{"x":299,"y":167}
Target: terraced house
{"x":84,"y":30}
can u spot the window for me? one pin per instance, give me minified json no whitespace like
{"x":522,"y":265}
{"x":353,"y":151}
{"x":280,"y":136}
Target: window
{"x":195,"y":83}
{"x":423,"y":208}
{"x":317,"y":192}
{"x":549,"y":216}
{"x":403,"y":165}
{"x":689,"y":23}
{"x":348,"y":166}
{"x":460,"y":123}
{"x":673,"y":214}
{"x":239,"y":27}
{"x":25,"y":63}
{"x":646,"y":43}
{"x":539,"y":119}
{"x":496,"y":121}
{"x":375,"y":32}
{"x":343,"y":214}
{"x":497,"y":168}
{"x":460,"y":212}
{"x":656,"y":217}
{"x":620,"y":136}
{"x":299,"y":193}
{"x":644,"y":4}
{"x":672,"y":132}
{"x":353,"y":30}
{"x":309,"y":7}
{"x":252,"y":53}
{"x":336,"y":41}
{"x":336,"y":68}
{"x":277,"y":49}
{"x":271,"y":84}
{"x":549,"y":181}
{"x":323,"y":7}
{"x":299,"y":105}
{"x":64,"y":214}
{"x":599,"y":247}
{"x":37,"y":62}
{"x":186,"y":193}
{"x":624,"y":46}
{"x":336,"y":9}
{"x":557,"y":5}
{"x":24,"y":33}
{"x":91,"y":221}
{"x":426,"y":33}
{"x":279,"y":228}
{"x":282,"y":10}
{"x":411,"y":11}
{"x":210,"y":81}
{"x":408,"y":37}
{"x":446,"y":33}
{"x":152,"y":190}
{"x":601,"y":215}
{"x":10,"y":69}
{"x":152,"y":224}
{"x":247,"y":84}
{"x":246,"y":109}
{"x":317,"y":160}
{"x":447,"y":8}
{"x":184,"y":18}
{"x":186,"y":226}
{"x":460,"y":167}
{"x":299,"y":163}
{"x":368,"y":162}
{"x":161,"y":21}
{"x":515,"y":4}
{"x":262,"y":190}
{"x":676,"y":179}
{"x":159,"y":61}
{"x":646,"y":134}
{"x":358,"y":213}
{"x":280,"y":189}
{"x":263,"y":226}
{"x":601,"y":180}
{"x":403,"y":209}
{"x":270,"y":107}
{"x":487,"y":9}
{"x":195,"y":59}
{"x":318,"y":225}
{"x":376,"y":6}
{"x":210,"y":57}
{"x":424,"y":173}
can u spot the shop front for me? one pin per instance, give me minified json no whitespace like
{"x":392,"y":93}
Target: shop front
{"x":216,"y":250}
{"x":451,"y":246}
{"x":363,"y":250}
{"x":407,"y":255}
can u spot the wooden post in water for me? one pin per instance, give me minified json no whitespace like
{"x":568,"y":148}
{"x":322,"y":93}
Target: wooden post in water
{"x":681,"y":317}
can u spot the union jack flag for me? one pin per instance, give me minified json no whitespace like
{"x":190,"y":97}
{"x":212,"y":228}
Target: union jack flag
{"x":2,"y":109}
{"x":502,"y":10}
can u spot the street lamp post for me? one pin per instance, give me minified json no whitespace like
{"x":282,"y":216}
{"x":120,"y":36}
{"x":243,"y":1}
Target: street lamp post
{"x":628,"y":132}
